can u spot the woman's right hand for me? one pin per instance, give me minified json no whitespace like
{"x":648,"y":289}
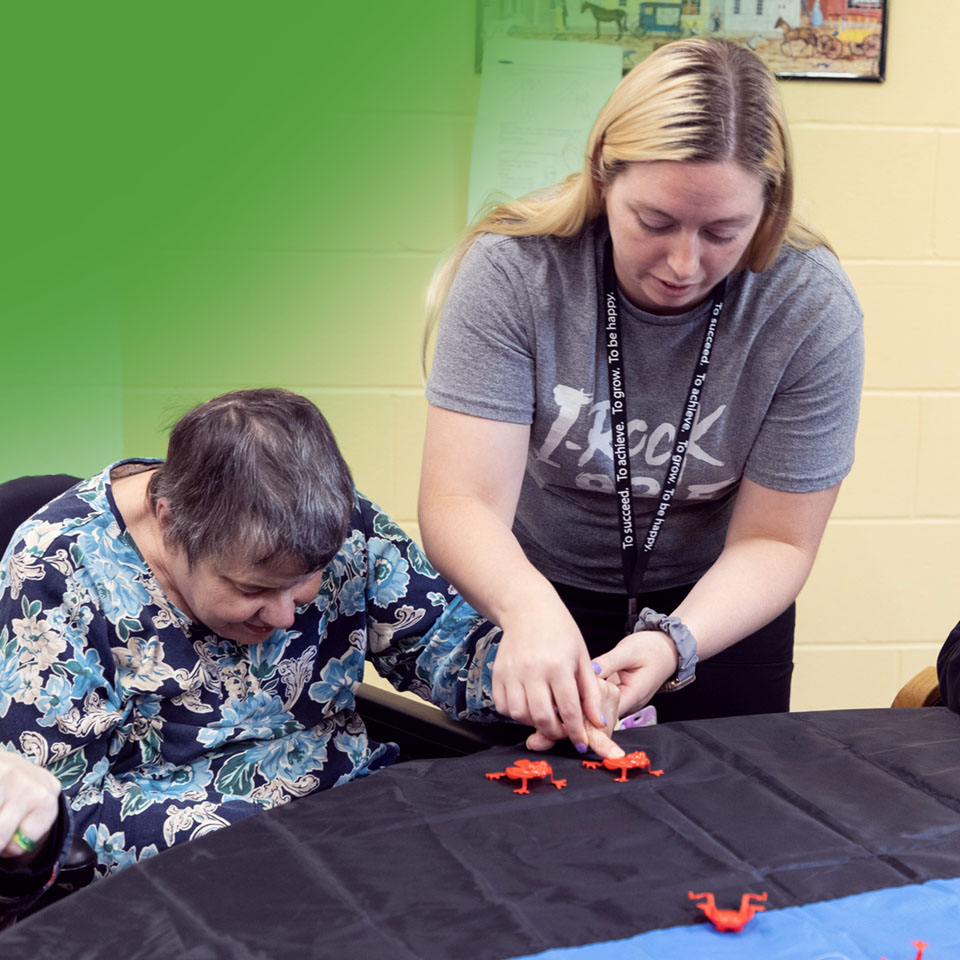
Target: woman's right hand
{"x":543,"y":676}
{"x":599,"y":739}
{"x":29,"y":802}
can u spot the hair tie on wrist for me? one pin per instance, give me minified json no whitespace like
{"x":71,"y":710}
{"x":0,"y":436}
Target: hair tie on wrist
{"x":683,"y":640}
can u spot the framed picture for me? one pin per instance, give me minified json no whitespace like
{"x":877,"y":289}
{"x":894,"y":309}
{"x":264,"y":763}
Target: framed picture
{"x":797,"y":39}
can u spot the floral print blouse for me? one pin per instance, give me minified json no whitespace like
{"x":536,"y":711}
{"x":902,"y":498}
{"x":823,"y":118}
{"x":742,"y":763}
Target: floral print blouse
{"x":159,"y":730}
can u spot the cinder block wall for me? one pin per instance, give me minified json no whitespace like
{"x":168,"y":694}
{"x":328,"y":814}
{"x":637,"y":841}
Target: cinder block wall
{"x":235,"y":195}
{"x":877,"y":172}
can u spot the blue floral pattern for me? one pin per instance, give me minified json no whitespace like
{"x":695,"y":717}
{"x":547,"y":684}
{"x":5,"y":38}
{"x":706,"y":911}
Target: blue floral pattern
{"x":159,"y":730}
{"x":388,"y":571}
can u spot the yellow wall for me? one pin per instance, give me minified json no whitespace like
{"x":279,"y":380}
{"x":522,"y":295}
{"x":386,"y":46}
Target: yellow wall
{"x":877,"y":172}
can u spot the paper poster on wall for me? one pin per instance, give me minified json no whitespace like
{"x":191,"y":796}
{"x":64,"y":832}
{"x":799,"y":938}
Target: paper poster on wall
{"x":797,"y":39}
{"x":538,"y":102}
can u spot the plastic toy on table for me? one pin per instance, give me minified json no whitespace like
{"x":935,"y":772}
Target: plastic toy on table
{"x":526,"y":770}
{"x":637,"y":760}
{"x":730,"y":920}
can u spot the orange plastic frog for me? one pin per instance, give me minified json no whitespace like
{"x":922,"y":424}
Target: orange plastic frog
{"x":637,"y":760}
{"x":526,"y":770}
{"x":726,"y":920}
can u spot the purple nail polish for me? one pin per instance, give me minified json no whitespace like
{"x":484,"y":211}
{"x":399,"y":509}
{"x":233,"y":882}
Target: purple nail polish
{"x":580,"y":747}
{"x":603,"y":717}
{"x":597,"y":669}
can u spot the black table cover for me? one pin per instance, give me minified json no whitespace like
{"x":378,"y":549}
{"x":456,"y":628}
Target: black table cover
{"x":431,"y":860}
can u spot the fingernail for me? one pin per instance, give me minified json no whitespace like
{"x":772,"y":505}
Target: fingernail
{"x":603,"y":717}
{"x":581,"y":747}
{"x":597,"y":669}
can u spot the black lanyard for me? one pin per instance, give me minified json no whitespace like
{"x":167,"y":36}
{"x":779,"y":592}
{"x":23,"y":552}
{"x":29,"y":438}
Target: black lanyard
{"x":636,"y":555}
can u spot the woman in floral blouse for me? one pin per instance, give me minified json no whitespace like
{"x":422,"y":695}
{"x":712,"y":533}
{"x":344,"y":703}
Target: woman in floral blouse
{"x":180,"y":641}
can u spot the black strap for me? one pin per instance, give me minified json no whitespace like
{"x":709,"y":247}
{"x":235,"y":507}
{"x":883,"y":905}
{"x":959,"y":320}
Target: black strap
{"x":636,"y":554}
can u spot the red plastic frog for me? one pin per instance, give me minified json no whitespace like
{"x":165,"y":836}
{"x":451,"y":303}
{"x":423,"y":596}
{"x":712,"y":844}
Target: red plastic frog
{"x":725,"y":920}
{"x":525,"y":770}
{"x":637,"y":760}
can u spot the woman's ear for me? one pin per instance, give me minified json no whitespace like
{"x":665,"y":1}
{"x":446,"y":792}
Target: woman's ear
{"x":165,"y":542}
{"x":164,"y":516}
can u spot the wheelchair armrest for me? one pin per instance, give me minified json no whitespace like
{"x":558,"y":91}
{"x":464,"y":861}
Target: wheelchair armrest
{"x":424,"y":731}
{"x":76,"y":871}
{"x":78,"y":867}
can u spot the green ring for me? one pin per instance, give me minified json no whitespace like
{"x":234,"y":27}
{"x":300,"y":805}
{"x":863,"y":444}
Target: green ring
{"x":23,"y":841}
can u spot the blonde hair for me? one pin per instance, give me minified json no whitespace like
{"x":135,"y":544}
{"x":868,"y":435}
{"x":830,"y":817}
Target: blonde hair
{"x":701,"y":100}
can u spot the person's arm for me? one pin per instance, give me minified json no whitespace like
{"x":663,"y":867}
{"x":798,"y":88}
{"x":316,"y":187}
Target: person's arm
{"x":428,"y":640}
{"x":59,"y":704}
{"x":805,"y":443}
{"x":36,"y":672}
{"x":769,"y":550}
{"x":472,"y":472}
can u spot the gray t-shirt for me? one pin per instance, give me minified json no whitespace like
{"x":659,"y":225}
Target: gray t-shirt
{"x":520,"y":342}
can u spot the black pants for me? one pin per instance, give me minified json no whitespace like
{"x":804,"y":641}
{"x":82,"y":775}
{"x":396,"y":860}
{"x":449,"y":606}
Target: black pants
{"x":752,"y":676}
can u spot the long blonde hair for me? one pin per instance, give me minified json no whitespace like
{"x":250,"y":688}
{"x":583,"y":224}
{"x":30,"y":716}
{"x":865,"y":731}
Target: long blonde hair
{"x":701,"y":99}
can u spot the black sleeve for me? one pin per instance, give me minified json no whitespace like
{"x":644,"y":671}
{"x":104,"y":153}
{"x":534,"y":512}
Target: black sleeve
{"x":948,"y":670}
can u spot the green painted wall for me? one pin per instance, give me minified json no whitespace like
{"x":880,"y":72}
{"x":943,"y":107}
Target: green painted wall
{"x":206,"y":195}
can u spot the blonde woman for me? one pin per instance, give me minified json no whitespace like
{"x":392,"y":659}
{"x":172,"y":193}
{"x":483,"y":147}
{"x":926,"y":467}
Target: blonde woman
{"x":643,"y":400}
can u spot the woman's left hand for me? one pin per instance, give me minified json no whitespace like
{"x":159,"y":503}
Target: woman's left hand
{"x":639,"y":665}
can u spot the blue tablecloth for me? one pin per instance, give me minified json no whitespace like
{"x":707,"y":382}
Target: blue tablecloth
{"x":861,"y":927}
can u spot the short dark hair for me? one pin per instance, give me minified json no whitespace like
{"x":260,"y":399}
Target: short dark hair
{"x":255,"y":473}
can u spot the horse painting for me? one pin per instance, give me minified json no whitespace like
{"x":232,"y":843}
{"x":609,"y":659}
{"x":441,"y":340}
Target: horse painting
{"x":602,"y":14}
{"x":791,"y":35}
